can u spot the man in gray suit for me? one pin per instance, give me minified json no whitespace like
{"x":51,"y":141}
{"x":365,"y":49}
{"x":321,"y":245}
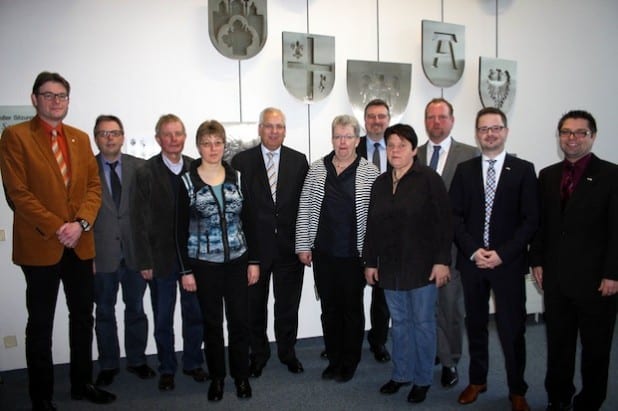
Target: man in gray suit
{"x":115,"y":262}
{"x":443,"y":154}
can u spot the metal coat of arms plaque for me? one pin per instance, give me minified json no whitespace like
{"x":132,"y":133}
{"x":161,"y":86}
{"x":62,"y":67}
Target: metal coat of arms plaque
{"x":497,"y":82}
{"x":308,"y":65}
{"x":368,"y":80}
{"x":443,"y":52}
{"x":237,"y":28}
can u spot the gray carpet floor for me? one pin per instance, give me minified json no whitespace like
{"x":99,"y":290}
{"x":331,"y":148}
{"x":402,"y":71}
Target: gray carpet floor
{"x":277,"y":389}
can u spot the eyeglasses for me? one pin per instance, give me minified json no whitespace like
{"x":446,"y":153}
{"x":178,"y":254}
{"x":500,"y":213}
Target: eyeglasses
{"x":494,"y":129}
{"x":269,"y":126}
{"x":566,"y":133}
{"x":49,"y":96}
{"x":346,"y":137}
{"x":376,"y":116}
{"x":211,"y":144}
{"x":108,"y":133}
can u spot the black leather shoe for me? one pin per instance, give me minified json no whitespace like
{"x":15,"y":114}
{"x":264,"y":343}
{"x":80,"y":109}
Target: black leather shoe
{"x":255,"y":369}
{"x":106,"y":377}
{"x":324,"y":355}
{"x":166,"y":382}
{"x":198,"y":374}
{"x":43,"y":405}
{"x":449,"y":377}
{"x":243,"y":389}
{"x":330,"y":373}
{"x":346,"y":374}
{"x":215,"y":391}
{"x":294,"y":366}
{"x":380,"y":353}
{"x":143,"y":371}
{"x":559,"y":406}
{"x":418,"y":393}
{"x":93,"y":394}
{"x":391,"y":387}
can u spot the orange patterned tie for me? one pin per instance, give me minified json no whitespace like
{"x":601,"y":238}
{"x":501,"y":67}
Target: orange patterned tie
{"x":64,"y":170}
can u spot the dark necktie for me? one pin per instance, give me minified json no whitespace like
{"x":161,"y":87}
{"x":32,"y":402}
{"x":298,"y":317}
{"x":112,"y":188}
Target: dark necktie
{"x":114,"y":181}
{"x":434,"y":158}
{"x":569,"y":182}
{"x":490,"y":193}
{"x":376,"y":155}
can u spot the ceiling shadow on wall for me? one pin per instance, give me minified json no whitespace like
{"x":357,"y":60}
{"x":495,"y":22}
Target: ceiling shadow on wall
{"x":489,"y":6}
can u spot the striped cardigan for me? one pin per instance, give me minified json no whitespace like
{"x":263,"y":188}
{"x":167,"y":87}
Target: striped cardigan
{"x":312,"y":196}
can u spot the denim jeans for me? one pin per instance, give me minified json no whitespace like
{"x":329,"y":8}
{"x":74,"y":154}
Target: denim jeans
{"x":163,"y":292}
{"x":135,"y":321}
{"x":413,"y":313}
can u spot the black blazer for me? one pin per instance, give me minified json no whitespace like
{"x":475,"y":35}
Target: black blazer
{"x":361,"y":150}
{"x":578,"y":246}
{"x":275,"y":223}
{"x":514,"y":217}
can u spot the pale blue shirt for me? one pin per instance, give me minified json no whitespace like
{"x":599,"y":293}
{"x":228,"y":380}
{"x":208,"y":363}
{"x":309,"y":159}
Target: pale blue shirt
{"x":175,"y":168}
{"x":276,"y":156}
{"x":371,"y":148}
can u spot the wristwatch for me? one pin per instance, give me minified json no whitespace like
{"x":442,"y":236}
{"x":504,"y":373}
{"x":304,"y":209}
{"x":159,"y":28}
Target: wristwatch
{"x":85,"y":224}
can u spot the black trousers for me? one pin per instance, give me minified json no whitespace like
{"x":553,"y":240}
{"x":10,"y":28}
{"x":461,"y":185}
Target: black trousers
{"x":379,"y":316}
{"x":42,"y":283}
{"x":340,"y":283}
{"x":217,"y":283}
{"x":287,"y":277}
{"x":594,"y":319}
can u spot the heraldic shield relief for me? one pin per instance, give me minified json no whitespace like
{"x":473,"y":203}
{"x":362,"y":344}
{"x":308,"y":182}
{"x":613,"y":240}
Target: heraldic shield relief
{"x":443,"y":52}
{"x":237,"y":28}
{"x":497,"y":82}
{"x":308,"y":65}
{"x":368,"y":80}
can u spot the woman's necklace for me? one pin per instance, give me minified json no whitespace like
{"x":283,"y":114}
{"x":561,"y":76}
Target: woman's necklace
{"x":342,"y":166}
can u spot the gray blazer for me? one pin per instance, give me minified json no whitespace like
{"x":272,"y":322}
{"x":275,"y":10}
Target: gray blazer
{"x":112,"y":229}
{"x":457,"y":153}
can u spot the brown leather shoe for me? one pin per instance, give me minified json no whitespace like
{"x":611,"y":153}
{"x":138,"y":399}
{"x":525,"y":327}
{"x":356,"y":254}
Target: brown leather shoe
{"x":519,"y":403}
{"x":471,"y":392}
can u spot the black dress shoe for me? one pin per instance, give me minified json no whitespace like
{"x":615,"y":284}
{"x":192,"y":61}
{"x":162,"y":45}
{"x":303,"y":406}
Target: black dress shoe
{"x":255,"y":369}
{"x":43,"y":405}
{"x":243,"y":389}
{"x":294,"y":366}
{"x":215,"y":391}
{"x":166,"y":382}
{"x":198,"y":374}
{"x":380,"y":353}
{"x":106,"y":377}
{"x":391,"y":387}
{"x":345,"y":374}
{"x":93,"y":394}
{"x":142,"y":371}
{"x":449,"y":377}
{"x":324,"y":355}
{"x":330,"y":373}
{"x":418,"y":393}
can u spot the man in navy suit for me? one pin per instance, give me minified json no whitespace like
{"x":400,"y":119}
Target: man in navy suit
{"x":115,"y":261}
{"x":496,"y":213}
{"x":274,"y":175}
{"x":373,"y":148}
{"x":574,"y":259}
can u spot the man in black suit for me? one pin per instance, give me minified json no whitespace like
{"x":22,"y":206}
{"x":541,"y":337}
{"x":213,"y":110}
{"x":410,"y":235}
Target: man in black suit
{"x":274,"y":176}
{"x":574,"y":259}
{"x":496,"y":212}
{"x":115,"y":262}
{"x":445,"y":153}
{"x":373,"y":148}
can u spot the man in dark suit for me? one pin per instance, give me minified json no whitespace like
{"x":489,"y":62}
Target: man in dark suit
{"x":52,"y":184}
{"x":115,"y":262}
{"x":274,"y":176}
{"x":154,"y":213}
{"x":574,"y":259}
{"x":496,"y":212}
{"x":444,"y":155}
{"x":373,"y":148}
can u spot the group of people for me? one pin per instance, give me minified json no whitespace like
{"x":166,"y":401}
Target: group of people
{"x":432,"y":228}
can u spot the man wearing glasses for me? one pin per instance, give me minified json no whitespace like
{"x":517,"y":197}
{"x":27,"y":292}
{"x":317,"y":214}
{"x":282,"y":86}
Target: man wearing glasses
{"x":52,"y":184}
{"x":115,"y":261}
{"x":574,"y":260}
{"x":495,"y":214}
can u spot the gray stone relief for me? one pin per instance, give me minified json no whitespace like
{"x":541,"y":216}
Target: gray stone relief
{"x":497,"y":82}
{"x":443,"y":52}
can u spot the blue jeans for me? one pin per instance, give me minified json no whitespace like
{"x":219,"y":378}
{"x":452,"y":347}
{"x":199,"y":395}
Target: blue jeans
{"x":135,"y":321}
{"x":163,"y":295}
{"x":413,"y":313}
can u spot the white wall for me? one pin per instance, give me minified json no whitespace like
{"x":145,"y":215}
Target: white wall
{"x":143,"y":58}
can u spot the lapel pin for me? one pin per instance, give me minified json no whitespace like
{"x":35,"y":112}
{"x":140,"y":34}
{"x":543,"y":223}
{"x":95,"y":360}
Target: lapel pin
{"x":589,"y":178}
{"x":508,"y":168}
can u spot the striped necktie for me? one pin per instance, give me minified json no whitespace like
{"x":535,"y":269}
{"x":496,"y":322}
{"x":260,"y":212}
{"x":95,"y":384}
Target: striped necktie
{"x":64,"y":170}
{"x":271,"y":171}
{"x":490,"y":193}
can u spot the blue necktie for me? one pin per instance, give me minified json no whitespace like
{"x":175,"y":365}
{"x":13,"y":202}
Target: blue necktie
{"x":434,"y":158}
{"x":376,"y":155}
